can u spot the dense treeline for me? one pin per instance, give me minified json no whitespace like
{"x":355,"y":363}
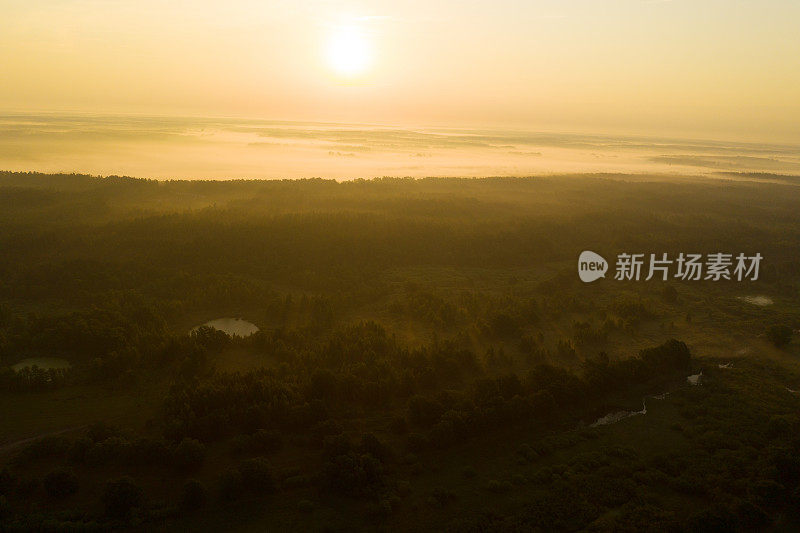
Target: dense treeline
{"x":321,"y":234}
{"x":426,"y":356}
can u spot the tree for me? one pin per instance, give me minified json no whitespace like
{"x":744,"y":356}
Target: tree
{"x":210,"y":338}
{"x":230,"y":486}
{"x":669,"y":294}
{"x":194,"y":495}
{"x":354,"y":474}
{"x":257,"y":475}
{"x":371,"y":445}
{"x":322,"y":385}
{"x":121,"y":497}
{"x":60,"y":483}
{"x":779,"y":335}
{"x":189,"y":454}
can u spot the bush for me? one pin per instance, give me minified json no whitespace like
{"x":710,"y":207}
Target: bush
{"x":121,"y":497}
{"x":60,"y":483}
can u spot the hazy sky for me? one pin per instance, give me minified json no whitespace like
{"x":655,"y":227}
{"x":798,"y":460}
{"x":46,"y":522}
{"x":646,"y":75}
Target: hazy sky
{"x":726,"y":68}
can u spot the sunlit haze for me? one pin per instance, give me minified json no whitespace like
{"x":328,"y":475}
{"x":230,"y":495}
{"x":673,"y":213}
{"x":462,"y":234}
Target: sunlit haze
{"x":703,"y":68}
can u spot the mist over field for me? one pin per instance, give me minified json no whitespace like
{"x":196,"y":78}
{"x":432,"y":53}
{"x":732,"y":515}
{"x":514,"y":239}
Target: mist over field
{"x":207,"y":148}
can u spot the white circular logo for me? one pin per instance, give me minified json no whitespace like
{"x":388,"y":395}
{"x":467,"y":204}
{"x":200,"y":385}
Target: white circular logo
{"x":591,"y":266}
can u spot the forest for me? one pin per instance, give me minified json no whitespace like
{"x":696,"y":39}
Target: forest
{"x":423,"y":355}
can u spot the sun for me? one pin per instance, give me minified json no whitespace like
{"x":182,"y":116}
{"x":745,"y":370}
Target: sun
{"x":348,"y":51}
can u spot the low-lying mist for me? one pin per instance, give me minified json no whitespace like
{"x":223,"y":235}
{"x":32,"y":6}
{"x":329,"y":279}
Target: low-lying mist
{"x":204,"y":148}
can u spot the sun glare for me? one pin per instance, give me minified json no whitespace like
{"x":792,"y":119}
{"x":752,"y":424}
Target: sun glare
{"x":348,"y":51}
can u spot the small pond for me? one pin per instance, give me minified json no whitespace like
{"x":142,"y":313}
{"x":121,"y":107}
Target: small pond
{"x":759,"y":300}
{"x":232,"y":326}
{"x":42,"y":362}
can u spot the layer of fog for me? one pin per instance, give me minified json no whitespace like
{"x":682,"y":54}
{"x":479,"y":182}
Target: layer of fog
{"x":161,"y":147}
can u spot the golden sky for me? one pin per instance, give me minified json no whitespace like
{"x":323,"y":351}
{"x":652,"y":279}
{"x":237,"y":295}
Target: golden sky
{"x":725,"y":68}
